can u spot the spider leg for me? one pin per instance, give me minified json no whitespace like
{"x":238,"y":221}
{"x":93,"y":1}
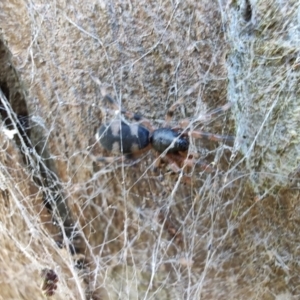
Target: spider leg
{"x":170,"y":227}
{"x":213,"y":113}
{"x":190,"y":162}
{"x":202,"y":118}
{"x":183,"y":160}
{"x":139,"y":118}
{"x":207,"y":117}
{"x":210,"y":136}
{"x":128,"y":160}
{"x":157,"y":162}
{"x":179,"y":102}
{"x":107,"y":98}
{"x":133,"y":156}
{"x":109,"y":159}
{"x":197,"y":134}
{"x":173,"y":161}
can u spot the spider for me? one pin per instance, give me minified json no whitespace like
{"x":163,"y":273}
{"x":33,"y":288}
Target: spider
{"x":171,"y":144}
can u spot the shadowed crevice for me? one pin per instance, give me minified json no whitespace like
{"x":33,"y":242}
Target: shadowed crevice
{"x":37,"y":159}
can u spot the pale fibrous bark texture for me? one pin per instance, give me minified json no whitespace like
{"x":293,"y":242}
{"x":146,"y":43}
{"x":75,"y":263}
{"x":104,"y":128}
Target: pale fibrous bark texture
{"x":76,"y":227}
{"x":263,"y":72}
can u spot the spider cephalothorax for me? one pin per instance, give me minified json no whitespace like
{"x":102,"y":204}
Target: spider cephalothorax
{"x":167,"y":139}
{"x":171,"y":144}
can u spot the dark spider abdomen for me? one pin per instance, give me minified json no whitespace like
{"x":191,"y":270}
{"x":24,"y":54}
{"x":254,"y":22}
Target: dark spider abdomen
{"x":162,"y":139}
{"x":131,"y":137}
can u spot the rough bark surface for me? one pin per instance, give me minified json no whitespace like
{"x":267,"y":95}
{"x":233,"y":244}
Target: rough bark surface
{"x":263,"y":72}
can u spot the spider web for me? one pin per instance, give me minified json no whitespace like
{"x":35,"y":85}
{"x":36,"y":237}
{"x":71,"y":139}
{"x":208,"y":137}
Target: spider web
{"x":124,"y":230}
